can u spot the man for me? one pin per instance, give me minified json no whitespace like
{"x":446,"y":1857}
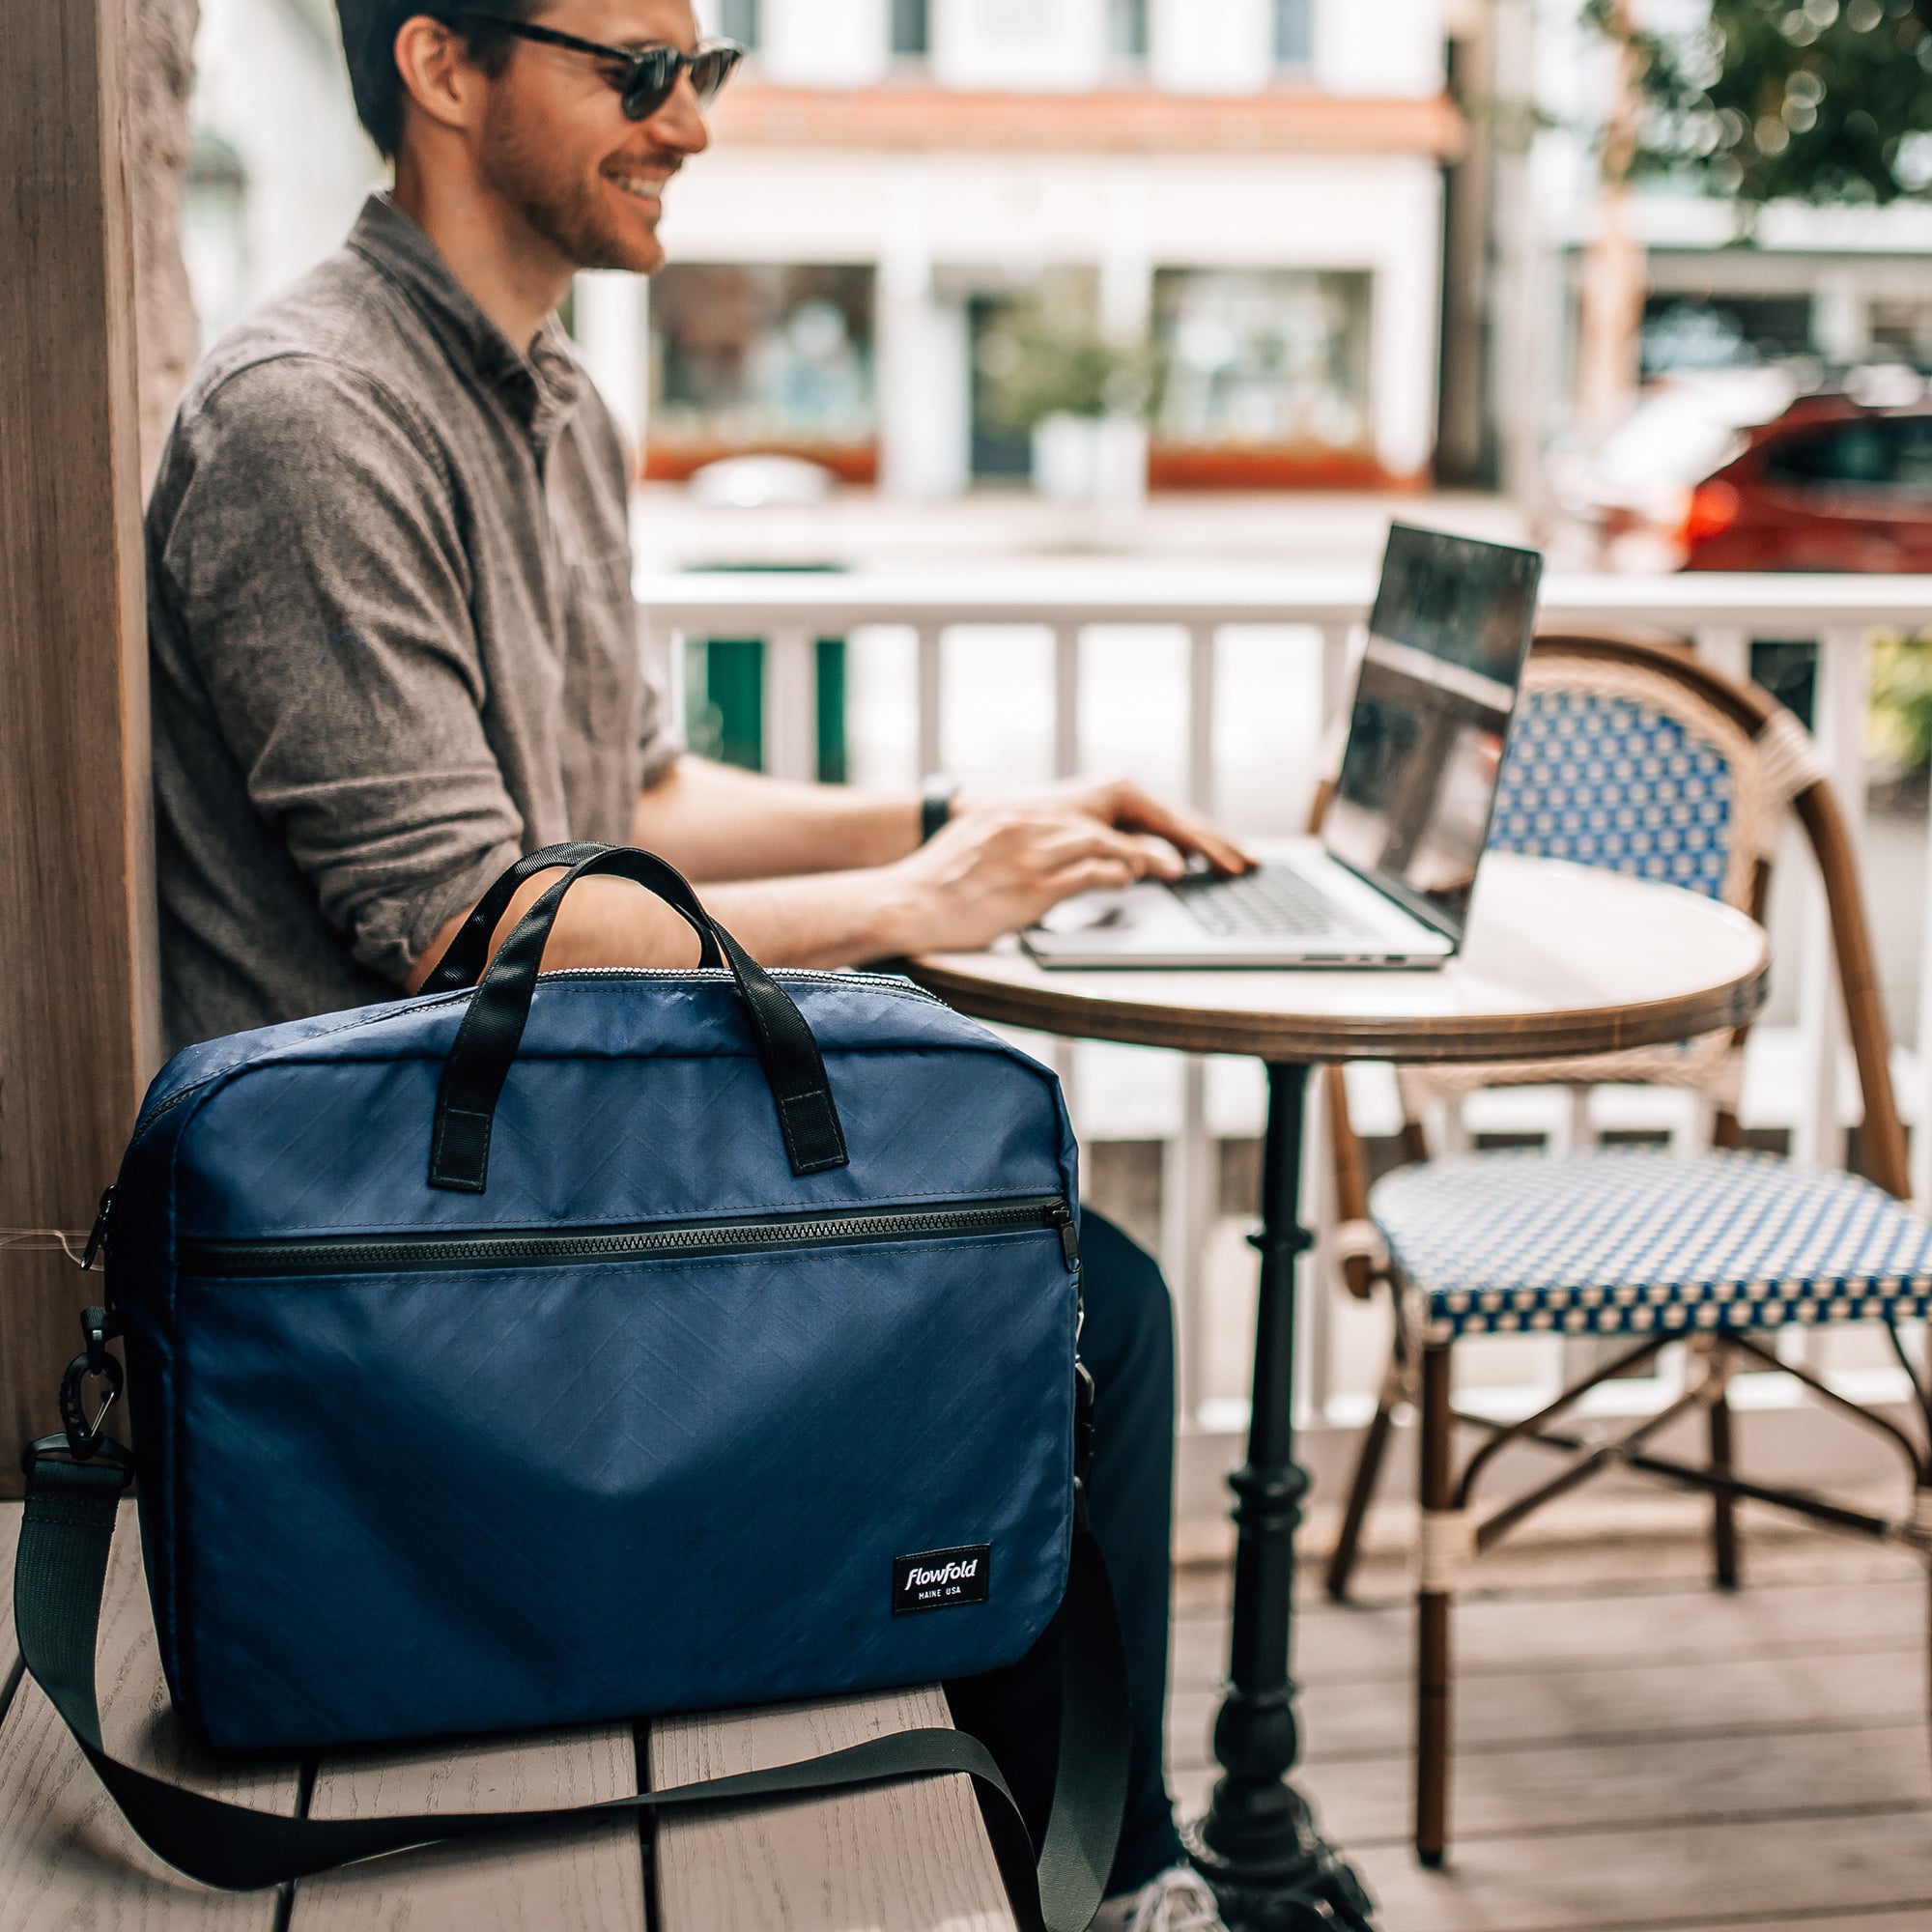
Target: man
{"x":393,"y":646}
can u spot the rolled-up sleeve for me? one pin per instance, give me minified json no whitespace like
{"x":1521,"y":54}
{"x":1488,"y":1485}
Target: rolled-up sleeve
{"x":325,"y":592}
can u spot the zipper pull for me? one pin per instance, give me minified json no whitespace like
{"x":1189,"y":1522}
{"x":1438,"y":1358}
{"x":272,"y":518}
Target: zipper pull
{"x":97,"y":1236}
{"x":1060,"y":1215}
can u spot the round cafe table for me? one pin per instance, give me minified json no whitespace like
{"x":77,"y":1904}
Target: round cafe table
{"x":1558,"y":959}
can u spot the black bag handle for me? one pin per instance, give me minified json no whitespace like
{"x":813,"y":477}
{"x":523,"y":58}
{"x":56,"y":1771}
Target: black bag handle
{"x":60,"y":1571}
{"x":468,"y":952}
{"x":493,"y":1029}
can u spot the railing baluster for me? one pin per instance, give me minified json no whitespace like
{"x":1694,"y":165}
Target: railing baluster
{"x":1202,"y":684}
{"x":1066,"y":765}
{"x":931,"y":758}
{"x":675,"y":642}
{"x":1725,"y":649}
{"x":791,"y":703}
{"x":1065,"y":701}
{"x":1321,"y":1281}
{"x":1336,"y":640}
{"x":1838,"y":727}
{"x":1188,"y":1191}
{"x":1189,"y":1173}
{"x":1322,"y":1342}
{"x":1191,"y":1158}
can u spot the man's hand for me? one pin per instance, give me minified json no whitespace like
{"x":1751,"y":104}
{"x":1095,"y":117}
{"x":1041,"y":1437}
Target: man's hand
{"x":996,"y":868}
{"x":1121,"y":803}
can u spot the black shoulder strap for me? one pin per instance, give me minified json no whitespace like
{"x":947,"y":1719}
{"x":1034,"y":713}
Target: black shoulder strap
{"x":61,"y":1570}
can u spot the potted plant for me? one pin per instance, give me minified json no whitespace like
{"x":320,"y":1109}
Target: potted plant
{"x":1083,"y":400}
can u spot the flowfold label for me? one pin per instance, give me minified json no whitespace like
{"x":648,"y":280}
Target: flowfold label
{"x":939,"y":1578}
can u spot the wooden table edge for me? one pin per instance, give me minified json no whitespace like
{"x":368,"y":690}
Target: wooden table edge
{"x":1416,"y":1041}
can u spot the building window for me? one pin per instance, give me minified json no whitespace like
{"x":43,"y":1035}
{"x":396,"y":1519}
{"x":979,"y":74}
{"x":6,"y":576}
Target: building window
{"x":738,"y":20}
{"x":1293,"y":32}
{"x":912,"y":26}
{"x":761,"y":358}
{"x":1265,"y":378}
{"x":1697,"y":331}
{"x":1127,"y":29}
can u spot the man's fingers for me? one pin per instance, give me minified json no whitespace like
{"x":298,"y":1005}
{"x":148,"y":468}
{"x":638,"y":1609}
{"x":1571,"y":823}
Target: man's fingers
{"x":1126,"y":810}
{"x":1162,"y":860}
{"x":1077,"y":838}
{"x":1088,"y":875}
{"x":1127,"y":806}
{"x":1134,"y":810}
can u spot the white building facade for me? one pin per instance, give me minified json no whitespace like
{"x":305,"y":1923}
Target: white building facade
{"x":279,"y":166}
{"x":1246,"y":194}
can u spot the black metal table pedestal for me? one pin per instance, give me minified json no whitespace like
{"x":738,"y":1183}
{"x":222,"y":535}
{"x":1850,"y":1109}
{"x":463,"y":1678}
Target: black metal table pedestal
{"x":1258,"y":1845}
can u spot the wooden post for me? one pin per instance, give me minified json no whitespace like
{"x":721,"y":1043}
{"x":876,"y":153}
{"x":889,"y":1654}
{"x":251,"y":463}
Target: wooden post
{"x":78,"y":1026}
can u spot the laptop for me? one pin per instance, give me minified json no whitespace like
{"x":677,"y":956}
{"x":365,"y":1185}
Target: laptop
{"x":1390,"y":880}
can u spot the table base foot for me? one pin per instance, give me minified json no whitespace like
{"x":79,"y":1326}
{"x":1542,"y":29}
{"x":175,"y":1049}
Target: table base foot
{"x":1313,"y":1889}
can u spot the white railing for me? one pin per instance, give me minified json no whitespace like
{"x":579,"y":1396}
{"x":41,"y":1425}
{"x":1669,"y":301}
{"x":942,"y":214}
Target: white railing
{"x":1187,"y":1105}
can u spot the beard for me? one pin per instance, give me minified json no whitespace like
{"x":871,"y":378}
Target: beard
{"x":575,"y":215}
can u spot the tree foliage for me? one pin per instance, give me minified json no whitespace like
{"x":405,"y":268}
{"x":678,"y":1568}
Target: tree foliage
{"x":1819,"y":100}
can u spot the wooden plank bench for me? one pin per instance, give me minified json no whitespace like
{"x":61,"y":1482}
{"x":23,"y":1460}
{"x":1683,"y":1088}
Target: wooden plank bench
{"x":907,"y":1858}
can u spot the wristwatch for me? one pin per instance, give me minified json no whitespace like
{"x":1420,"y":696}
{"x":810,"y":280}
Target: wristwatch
{"x":935,"y":804}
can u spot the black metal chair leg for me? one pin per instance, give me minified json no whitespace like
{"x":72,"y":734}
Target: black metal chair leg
{"x":1724,"y":1503}
{"x":1362,"y":1490}
{"x":1432,"y":1604}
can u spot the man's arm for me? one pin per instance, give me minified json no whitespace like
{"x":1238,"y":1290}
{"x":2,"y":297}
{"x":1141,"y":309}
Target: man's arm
{"x":717,"y":822}
{"x":993,"y":870}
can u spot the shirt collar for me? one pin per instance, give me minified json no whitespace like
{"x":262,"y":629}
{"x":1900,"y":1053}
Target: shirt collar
{"x":541,"y":390}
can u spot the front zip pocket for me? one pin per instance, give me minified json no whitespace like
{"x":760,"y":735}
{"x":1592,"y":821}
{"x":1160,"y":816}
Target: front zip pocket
{"x":384,"y":1254}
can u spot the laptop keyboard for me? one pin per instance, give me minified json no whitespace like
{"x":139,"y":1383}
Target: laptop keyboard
{"x":1270,"y":902}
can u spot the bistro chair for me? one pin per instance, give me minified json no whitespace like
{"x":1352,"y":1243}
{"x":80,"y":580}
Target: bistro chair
{"x":1638,"y":758}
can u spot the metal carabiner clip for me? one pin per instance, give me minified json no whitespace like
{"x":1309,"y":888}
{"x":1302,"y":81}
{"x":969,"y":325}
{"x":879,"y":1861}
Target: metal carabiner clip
{"x":84,"y":1436}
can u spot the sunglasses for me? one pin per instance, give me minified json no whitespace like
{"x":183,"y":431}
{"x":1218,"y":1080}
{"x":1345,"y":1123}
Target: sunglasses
{"x":650,"y":75}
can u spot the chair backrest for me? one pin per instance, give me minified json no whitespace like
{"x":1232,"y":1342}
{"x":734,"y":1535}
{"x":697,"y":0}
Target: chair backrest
{"x":1617,"y":762}
{"x":1793,"y":777}
{"x":1638,"y":758}
{"x":1621,"y":765}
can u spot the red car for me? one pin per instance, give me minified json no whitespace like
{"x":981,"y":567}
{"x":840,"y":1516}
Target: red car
{"x":1831,"y":485}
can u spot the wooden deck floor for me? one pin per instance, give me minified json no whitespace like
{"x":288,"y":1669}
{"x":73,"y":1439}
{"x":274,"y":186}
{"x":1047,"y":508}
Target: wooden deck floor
{"x":1635,"y":1749}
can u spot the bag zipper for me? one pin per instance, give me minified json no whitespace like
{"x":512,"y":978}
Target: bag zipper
{"x":381,"y":1254}
{"x":898,"y":987}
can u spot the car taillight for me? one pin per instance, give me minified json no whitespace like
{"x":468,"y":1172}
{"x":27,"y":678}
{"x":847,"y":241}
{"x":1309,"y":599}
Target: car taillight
{"x":1713,"y":509}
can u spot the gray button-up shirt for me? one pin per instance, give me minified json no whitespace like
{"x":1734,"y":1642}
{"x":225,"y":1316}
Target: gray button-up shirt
{"x":392,"y":633}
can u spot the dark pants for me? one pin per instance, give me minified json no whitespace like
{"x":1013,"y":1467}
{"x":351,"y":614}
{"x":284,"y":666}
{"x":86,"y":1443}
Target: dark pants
{"x":1127,"y":1344}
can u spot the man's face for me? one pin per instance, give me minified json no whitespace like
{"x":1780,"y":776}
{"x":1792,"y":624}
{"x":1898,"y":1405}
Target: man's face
{"x":556,"y":145}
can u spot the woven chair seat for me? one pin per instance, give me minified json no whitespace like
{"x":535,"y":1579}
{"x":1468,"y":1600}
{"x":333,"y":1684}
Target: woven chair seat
{"x":1631,"y":1240}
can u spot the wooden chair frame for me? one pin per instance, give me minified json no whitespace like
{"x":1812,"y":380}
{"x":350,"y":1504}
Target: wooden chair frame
{"x":1419,"y":1369}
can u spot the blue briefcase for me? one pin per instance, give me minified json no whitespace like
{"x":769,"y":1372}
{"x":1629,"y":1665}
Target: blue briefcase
{"x":600,"y":1345}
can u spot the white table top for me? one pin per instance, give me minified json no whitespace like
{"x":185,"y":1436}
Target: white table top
{"x":1559,"y":959}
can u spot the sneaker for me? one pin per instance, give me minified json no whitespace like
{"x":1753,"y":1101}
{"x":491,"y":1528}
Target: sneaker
{"x":1177,"y":1901}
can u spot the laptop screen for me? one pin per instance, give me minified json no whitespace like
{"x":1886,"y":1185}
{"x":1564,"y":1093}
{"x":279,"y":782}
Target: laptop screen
{"x":1447,"y":640}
